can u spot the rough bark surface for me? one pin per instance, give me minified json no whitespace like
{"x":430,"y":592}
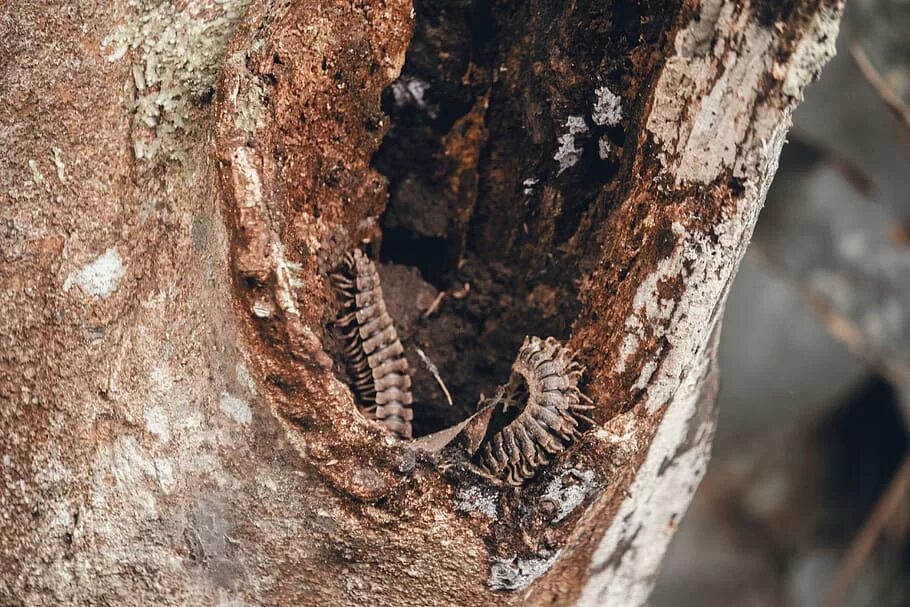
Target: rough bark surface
{"x":177,"y":180}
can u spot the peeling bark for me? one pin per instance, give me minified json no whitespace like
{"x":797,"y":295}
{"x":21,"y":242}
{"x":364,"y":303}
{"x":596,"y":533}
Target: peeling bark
{"x":179,"y":179}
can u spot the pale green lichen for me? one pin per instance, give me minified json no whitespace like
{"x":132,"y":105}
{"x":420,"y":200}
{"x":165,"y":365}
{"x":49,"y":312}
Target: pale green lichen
{"x":176,"y":54}
{"x":249,"y":99}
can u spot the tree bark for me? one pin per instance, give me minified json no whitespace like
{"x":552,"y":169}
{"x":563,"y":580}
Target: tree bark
{"x":179,"y":179}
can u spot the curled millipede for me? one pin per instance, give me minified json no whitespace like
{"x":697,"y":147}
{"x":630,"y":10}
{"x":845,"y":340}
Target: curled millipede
{"x":545,"y":376}
{"x":373,"y":353}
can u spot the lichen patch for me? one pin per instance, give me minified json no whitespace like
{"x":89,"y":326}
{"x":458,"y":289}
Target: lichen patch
{"x":607,"y":109}
{"x":516,"y":573}
{"x":176,"y":55}
{"x":640,"y":532}
{"x":235,"y":408}
{"x":476,"y":499}
{"x":59,"y":164}
{"x":100,"y":277}
{"x":813,"y":51}
{"x":156,"y":422}
{"x":568,"y":490}
{"x":699,"y":148}
{"x":568,"y":154}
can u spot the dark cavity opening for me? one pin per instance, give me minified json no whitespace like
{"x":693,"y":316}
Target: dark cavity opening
{"x":425,"y":253}
{"x":499,"y":178}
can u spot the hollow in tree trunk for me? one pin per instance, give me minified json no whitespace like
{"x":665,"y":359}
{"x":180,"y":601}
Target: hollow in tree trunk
{"x":180,"y":181}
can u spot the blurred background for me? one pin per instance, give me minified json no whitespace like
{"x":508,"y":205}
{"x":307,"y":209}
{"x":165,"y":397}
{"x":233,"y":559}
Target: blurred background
{"x":807,"y":498}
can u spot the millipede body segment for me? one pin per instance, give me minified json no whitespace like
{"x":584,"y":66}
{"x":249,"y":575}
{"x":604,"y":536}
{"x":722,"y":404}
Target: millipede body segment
{"x":544,"y":380}
{"x":373,"y":353}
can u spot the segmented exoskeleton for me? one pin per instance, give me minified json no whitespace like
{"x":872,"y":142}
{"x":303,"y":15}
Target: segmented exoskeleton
{"x":373,"y":352}
{"x":545,"y":376}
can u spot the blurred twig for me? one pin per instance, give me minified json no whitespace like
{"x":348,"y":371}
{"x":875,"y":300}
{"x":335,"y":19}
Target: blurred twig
{"x":884,"y":90}
{"x":435,"y":305}
{"x":802,"y":143}
{"x":865,"y":540}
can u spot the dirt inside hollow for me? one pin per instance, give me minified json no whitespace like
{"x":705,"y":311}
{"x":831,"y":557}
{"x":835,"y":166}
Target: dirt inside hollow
{"x":501,"y":170}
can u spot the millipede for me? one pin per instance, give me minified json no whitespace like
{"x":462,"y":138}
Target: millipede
{"x":373,"y":353}
{"x":544,"y":379}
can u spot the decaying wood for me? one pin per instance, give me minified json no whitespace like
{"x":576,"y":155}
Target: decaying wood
{"x":176,"y":180}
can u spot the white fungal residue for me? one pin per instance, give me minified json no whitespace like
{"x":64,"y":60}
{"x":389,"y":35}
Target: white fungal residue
{"x":128,"y":466}
{"x":607,"y":107}
{"x":813,"y":51}
{"x":408,"y":90}
{"x":161,"y":382}
{"x":100,"y":277}
{"x":516,"y":574}
{"x":568,"y":155}
{"x":629,"y":344}
{"x":235,"y":408}
{"x":226,"y":601}
{"x":475,"y":499}
{"x":247,"y":183}
{"x":715,"y":83}
{"x":244,"y":378}
{"x":568,"y":491}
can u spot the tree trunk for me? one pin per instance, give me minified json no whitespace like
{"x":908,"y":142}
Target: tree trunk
{"x":178,"y":181}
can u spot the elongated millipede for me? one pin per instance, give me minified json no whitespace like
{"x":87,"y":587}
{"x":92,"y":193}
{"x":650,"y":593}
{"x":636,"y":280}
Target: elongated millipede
{"x":545,"y":376}
{"x":373,"y":353}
